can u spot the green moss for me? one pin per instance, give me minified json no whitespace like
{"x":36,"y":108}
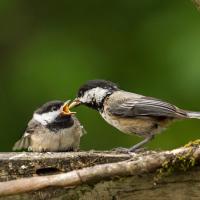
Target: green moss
{"x":195,"y":143}
{"x":179,"y":163}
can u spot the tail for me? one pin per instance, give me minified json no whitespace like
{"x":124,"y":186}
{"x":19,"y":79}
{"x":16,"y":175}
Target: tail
{"x":194,"y":115}
{"x":21,"y":144}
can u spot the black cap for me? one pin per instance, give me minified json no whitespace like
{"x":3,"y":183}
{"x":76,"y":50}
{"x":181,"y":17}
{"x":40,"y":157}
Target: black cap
{"x":49,"y":107}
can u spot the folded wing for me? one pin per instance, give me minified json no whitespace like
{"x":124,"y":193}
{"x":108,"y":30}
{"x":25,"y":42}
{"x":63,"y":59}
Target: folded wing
{"x":146,"y":106}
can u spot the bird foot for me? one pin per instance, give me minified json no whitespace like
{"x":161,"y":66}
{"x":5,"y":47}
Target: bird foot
{"x":128,"y":150}
{"x":139,"y":150}
{"x":121,"y":150}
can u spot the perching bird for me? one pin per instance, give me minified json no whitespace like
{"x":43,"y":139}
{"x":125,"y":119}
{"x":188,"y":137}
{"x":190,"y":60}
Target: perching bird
{"x":52,"y":128}
{"x":129,"y":112}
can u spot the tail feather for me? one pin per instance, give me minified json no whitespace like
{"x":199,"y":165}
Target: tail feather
{"x":195,"y":115}
{"x":21,"y":144}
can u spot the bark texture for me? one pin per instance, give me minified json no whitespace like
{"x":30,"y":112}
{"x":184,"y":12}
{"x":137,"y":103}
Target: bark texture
{"x":101,"y":175}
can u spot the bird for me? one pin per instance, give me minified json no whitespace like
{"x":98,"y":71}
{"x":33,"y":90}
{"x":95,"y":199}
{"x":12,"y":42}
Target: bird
{"x":131,"y":113}
{"x":53,"y":128}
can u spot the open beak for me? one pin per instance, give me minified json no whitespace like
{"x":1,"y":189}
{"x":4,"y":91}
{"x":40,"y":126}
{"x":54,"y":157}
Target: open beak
{"x":65,"y":109}
{"x":74,"y":103}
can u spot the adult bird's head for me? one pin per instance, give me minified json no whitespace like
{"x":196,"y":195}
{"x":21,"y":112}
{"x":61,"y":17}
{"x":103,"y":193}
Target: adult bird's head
{"x":93,"y":93}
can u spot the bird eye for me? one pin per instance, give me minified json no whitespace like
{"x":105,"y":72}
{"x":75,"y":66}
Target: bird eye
{"x":53,"y":108}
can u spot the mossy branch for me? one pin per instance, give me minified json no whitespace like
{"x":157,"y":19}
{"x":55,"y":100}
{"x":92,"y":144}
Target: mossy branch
{"x":133,"y":164}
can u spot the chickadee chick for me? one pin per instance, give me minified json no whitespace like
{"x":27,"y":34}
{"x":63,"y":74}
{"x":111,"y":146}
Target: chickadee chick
{"x":129,"y":112}
{"x":52,"y":128}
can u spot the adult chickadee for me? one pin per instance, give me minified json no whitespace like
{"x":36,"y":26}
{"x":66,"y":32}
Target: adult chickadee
{"x":52,"y":128}
{"x":129,"y":112}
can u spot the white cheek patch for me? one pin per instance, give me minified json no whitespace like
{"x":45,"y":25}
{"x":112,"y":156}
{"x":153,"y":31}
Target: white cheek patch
{"x":46,"y":118}
{"x":97,"y":94}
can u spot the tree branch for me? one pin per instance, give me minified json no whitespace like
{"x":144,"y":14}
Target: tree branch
{"x":136,"y":164}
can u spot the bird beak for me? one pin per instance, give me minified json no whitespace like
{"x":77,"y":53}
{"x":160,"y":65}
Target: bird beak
{"x":65,"y":109}
{"x":74,"y":103}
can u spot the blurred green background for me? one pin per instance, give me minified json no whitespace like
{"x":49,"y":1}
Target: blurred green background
{"x":49,"y":48}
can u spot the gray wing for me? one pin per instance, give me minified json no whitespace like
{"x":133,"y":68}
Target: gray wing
{"x":146,"y":106}
{"x":25,"y":140}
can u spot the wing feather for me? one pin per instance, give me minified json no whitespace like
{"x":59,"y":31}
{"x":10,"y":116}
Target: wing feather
{"x":24,"y":142}
{"x":146,"y":106}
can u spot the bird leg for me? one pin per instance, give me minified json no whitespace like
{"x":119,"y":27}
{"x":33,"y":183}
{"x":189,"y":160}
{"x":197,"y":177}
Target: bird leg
{"x":140,"y":144}
{"x":135,"y":148}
